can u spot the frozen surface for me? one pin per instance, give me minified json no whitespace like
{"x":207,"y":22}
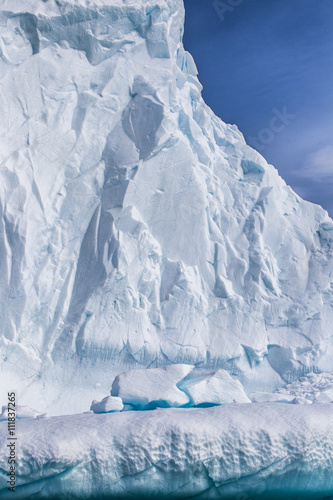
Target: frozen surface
{"x":236,"y":451}
{"x":136,"y":228}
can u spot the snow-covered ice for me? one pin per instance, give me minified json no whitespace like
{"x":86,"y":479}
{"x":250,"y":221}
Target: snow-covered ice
{"x":215,"y":388}
{"x":257,"y":451}
{"x":156,"y":387}
{"x":175,"y":386}
{"x":107,"y":405}
{"x":163,"y":387}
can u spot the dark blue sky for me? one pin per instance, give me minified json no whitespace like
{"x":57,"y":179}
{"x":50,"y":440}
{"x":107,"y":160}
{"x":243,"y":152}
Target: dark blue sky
{"x":259,"y":58}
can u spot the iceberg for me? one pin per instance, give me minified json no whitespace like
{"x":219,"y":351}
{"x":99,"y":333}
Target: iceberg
{"x":143,"y":242}
{"x":137,"y":229}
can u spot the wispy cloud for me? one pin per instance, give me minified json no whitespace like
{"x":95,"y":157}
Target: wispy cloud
{"x":319,"y":165}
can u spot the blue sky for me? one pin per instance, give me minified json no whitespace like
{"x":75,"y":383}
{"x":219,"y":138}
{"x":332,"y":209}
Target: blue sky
{"x":258,"y":59}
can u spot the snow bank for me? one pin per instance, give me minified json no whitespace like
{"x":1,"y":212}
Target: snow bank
{"x":236,"y":451}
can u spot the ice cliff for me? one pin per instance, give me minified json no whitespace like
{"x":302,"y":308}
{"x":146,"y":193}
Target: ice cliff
{"x":136,"y":228}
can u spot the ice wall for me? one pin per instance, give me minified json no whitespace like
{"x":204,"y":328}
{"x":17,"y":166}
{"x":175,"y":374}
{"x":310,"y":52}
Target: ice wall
{"x":136,"y":228}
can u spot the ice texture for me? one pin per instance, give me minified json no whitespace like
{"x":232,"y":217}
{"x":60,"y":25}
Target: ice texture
{"x":259,"y":451}
{"x":136,"y":228}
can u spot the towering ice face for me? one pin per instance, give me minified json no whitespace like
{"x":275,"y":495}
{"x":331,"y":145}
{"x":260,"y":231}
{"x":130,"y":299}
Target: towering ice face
{"x":138,"y":229}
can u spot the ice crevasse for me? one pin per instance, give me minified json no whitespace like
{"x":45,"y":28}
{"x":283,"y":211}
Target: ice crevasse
{"x":137,"y":229}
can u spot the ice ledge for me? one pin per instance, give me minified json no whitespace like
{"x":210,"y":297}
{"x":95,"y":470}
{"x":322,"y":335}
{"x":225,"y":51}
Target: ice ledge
{"x":59,"y":7}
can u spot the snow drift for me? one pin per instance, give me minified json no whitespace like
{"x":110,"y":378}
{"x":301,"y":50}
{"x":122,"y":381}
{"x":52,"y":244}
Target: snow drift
{"x":136,"y":228}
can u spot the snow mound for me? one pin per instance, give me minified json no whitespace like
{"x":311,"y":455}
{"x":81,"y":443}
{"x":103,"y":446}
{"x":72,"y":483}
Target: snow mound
{"x":259,"y":451}
{"x":217,"y":388}
{"x":107,"y":405}
{"x":156,"y":387}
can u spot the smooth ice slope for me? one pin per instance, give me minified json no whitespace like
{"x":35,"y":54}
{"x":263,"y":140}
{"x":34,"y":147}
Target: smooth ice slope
{"x":136,"y":228}
{"x":257,"y":451}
